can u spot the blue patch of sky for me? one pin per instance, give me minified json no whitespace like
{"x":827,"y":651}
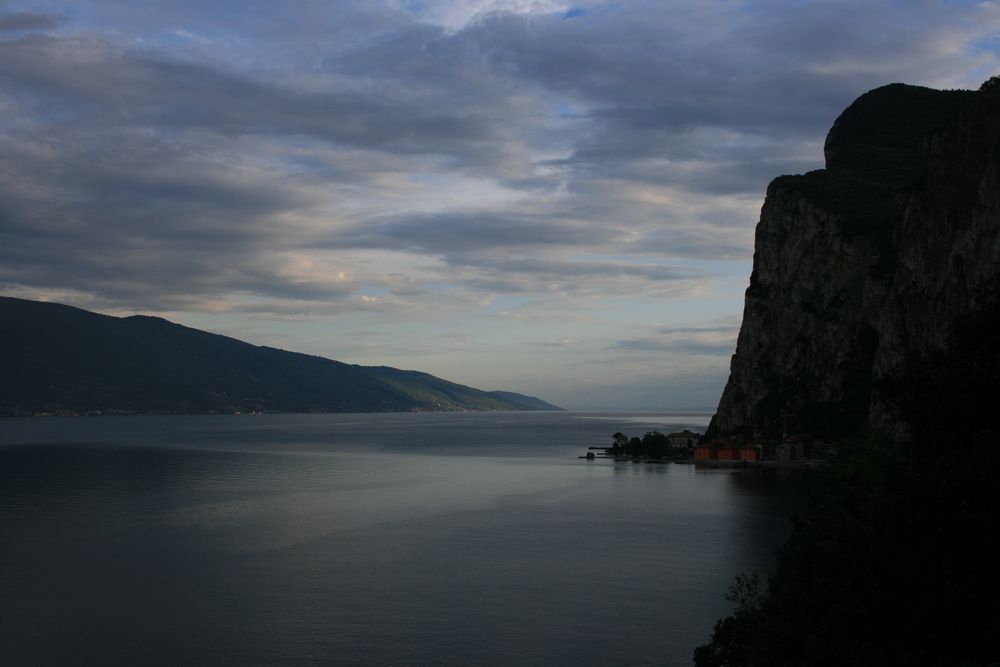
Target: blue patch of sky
{"x":438,"y":287}
{"x":990,"y":44}
{"x":565,"y":109}
{"x":416,"y":8}
{"x":508,"y":304}
{"x":681,"y":311}
{"x":731,"y":268}
{"x":574,"y":12}
{"x":428,"y":178}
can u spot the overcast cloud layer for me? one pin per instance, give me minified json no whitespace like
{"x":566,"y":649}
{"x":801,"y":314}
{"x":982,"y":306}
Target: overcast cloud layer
{"x":530,"y":195}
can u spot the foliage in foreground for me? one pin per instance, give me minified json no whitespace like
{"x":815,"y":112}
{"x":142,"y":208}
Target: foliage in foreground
{"x":891,"y":566}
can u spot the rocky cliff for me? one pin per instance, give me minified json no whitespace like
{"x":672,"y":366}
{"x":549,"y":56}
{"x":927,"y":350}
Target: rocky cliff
{"x":872,"y":270}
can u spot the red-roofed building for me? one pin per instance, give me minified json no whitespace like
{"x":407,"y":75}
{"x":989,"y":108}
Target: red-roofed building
{"x":724,"y":451}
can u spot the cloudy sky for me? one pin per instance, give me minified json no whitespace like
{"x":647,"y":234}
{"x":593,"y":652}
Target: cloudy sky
{"x":547,"y":197}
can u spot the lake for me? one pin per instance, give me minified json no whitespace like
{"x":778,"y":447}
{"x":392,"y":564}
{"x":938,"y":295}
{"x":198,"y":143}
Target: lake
{"x":374,"y":539}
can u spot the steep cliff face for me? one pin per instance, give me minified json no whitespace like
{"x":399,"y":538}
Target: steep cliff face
{"x":867,"y":268}
{"x":806,"y":346}
{"x":946,"y":243}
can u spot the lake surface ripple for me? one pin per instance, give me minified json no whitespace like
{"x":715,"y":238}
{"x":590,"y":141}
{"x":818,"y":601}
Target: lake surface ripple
{"x":386,"y":539}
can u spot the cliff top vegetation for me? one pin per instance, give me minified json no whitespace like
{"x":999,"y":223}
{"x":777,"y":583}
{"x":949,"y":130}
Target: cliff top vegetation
{"x":874,"y":150}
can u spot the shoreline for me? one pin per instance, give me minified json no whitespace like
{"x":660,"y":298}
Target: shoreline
{"x":801,"y":464}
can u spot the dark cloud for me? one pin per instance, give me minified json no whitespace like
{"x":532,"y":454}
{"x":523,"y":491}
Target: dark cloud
{"x":90,"y":82}
{"x":171,"y":151}
{"x":493,"y":252}
{"x":19,"y":21}
{"x":648,"y":75}
{"x":582,"y":269}
{"x":138,"y":221}
{"x":453,"y":234}
{"x":122,"y":178}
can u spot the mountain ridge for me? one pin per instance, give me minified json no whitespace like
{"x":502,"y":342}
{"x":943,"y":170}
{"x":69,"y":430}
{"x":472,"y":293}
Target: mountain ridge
{"x":59,"y":359}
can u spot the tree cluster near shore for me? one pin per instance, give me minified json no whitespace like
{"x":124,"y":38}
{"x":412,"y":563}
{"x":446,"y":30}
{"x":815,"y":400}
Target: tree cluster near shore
{"x":653,"y":445}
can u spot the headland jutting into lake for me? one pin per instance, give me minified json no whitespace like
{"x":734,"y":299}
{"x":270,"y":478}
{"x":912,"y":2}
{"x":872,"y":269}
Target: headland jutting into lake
{"x":687,"y":446}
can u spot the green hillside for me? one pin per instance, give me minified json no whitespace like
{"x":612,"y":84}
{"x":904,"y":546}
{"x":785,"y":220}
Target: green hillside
{"x":60,"y":359}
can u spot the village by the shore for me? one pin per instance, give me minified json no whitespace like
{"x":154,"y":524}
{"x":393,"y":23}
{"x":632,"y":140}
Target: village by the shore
{"x":691,"y":447}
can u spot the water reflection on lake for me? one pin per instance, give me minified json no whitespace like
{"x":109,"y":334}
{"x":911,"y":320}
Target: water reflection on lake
{"x":447,"y":539}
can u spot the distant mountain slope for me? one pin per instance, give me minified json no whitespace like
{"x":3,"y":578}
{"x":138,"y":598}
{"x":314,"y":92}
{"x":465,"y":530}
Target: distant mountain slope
{"x":60,"y":359}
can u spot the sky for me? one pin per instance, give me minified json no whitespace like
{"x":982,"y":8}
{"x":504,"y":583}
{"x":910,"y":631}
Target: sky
{"x":539,"y":196}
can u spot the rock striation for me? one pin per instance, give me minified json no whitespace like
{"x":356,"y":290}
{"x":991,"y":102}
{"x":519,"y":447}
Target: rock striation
{"x":872,"y":270}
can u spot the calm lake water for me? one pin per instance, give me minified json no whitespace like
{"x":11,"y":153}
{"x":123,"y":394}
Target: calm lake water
{"x":388,"y":539}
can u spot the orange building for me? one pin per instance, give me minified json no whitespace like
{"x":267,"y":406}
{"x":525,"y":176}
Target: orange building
{"x":723,"y":451}
{"x":727,"y":453}
{"x":704,"y":453}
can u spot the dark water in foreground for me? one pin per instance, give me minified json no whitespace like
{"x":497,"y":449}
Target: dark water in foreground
{"x":412,"y":539}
